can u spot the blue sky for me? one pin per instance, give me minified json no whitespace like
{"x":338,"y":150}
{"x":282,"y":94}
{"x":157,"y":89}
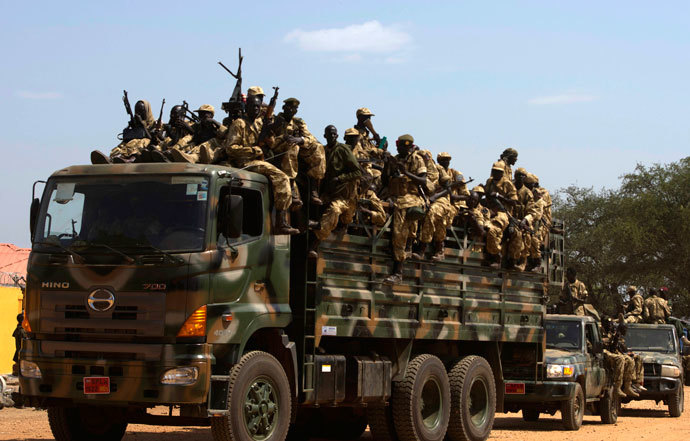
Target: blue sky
{"x":583,"y":90}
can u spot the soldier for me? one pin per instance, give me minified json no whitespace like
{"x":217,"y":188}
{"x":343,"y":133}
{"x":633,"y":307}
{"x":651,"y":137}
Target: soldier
{"x":496,"y":224}
{"x":371,"y":207}
{"x":508,"y":159}
{"x":525,"y":211}
{"x":293,"y":136}
{"x":178,"y":135}
{"x":206,"y":140}
{"x":135,"y":137}
{"x":366,"y":150}
{"x":663,"y":293}
{"x":575,"y":298}
{"x":500,"y":187}
{"x":533,"y":245}
{"x":340,"y":189}
{"x":242,"y":151}
{"x":656,"y":308}
{"x":633,"y":370}
{"x":433,"y":173}
{"x":409,"y":204}
{"x":477,"y":216}
{"x":615,"y":361}
{"x":635,"y":310}
{"x":19,"y":334}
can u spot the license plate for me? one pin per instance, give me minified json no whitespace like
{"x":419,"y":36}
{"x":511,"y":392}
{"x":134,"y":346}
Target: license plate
{"x":96,"y":385}
{"x":515,"y":388}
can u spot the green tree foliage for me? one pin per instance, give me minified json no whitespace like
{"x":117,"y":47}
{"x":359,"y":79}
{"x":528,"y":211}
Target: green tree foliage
{"x":638,"y":235}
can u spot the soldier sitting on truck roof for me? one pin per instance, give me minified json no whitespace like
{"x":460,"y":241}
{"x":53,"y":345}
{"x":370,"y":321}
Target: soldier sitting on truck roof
{"x":634,"y":312}
{"x":206,"y":140}
{"x":575,"y":298}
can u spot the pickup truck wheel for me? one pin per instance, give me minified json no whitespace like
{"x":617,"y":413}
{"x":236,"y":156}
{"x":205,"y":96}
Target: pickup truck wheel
{"x":530,"y":415}
{"x":608,"y":407}
{"x":676,"y":402}
{"x":259,"y":400}
{"x":86,"y":423}
{"x":573,"y":410}
{"x":421,"y":401}
{"x":473,"y":400}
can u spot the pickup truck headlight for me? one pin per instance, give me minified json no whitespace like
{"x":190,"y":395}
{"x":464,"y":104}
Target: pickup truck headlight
{"x":559,"y":370}
{"x":180,"y":376}
{"x":30,"y":369}
{"x":668,"y":370}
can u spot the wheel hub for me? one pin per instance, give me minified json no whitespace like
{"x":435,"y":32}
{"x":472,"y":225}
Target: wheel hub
{"x":261,"y":409}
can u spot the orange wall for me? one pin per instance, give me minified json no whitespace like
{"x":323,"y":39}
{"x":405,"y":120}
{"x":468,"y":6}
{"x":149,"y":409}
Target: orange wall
{"x":10,"y":306}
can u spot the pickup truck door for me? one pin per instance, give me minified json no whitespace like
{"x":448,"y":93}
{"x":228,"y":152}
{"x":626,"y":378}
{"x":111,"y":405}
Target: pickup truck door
{"x":596,"y":375}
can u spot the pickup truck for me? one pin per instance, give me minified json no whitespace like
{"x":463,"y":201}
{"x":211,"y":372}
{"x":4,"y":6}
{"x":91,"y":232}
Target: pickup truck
{"x":573,"y":378}
{"x":663,"y":365}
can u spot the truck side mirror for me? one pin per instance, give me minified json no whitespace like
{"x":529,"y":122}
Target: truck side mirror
{"x":231,"y":216}
{"x":33,"y":216}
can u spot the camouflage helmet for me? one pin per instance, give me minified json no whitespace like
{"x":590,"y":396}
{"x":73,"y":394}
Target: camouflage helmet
{"x":363,"y":111}
{"x":498,"y":165}
{"x":351,"y":132}
{"x":405,"y":140}
{"x":479,"y":189}
{"x":206,"y":108}
{"x":255,"y":90}
{"x":294,"y":101}
{"x":443,"y":155}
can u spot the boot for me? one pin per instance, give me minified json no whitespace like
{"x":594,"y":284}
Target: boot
{"x":98,"y":157}
{"x":314,"y":249}
{"x":492,"y":261}
{"x":282,"y":226}
{"x":205,"y":155}
{"x":418,"y":253}
{"x":408,"y":247}
{"x":157,"y":156}
{"x":144,"y":156}
{"x":397,"y":277}
{"x":314,"y":195}
{"x":641,"y":388}
{"x":619,"y":392}
{"x":314,"y":225}
{"x":179,"y":156}
{"x":511,"y":264}
{"x":629,"y":392}
{"x":440,"y":253}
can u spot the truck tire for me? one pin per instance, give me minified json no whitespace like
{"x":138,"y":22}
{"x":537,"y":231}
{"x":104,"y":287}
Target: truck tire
{"x":473,"y":400}
{"x":421,"y":401}
{"x":259,"y":400}
{"x":85,"y":423}
{"x":608,"y":407}
{"x":530,"y":415}
{"x":573,"y":410}
{"x":676,"y":402}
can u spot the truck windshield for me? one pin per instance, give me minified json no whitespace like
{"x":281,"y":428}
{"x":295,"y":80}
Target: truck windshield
{"x":650,"y":339}
{"x":167,"y":213}
{"x":565,"y":334}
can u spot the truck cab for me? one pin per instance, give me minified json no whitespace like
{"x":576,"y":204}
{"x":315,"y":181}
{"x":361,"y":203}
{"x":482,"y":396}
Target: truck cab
{"x":574,"y":376}
{"x":659,"y":348}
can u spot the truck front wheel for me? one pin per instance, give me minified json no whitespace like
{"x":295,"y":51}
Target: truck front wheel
{"x":473,"y":400}
{"x":86,"y":423}
{"x":573,"y":410}
{"x":259,"y":401}
{"x":608,"y":407}
{"x":676,"y":402}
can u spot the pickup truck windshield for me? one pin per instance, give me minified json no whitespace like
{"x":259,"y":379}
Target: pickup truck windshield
{"x":565,"y":334}
{"x":167,"y":213}
{"x":651,"y":340}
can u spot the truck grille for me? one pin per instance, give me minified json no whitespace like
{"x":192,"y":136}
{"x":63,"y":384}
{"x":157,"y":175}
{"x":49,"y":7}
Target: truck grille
{"x":652,"y":369}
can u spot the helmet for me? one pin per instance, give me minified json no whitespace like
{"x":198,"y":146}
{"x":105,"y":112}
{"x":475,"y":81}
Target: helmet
{"x":363,"y":111}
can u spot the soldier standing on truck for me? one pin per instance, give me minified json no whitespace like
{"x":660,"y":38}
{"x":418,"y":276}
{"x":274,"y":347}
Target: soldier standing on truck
{"x":533,"y":246}
{"x":508,"y":159}
{"x":366,"y":149}
{"x":575,"y":298}
{"x":634,"y":311}
{"x":243,"y":151}
{"x":340,"y":186}
{"x":657,"y":309}
{"x":405,"y":185}
{"x":524,"y":211}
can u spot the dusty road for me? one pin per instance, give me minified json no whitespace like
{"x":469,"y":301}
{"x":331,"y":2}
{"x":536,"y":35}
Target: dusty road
{"x":639,"y":421}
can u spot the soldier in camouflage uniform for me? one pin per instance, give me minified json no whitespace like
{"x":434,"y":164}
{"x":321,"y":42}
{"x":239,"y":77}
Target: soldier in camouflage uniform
{"x":635,"y":311}
{"x":207,"y":139}
{"x":371,"y":207}
{"x":340,"y":186}
{"x":575,"y":298}
{"x":130,"y":149}
{"x":409,"y":203}
{"x":178,"y":135}
{"x":367,"y":148}
{"x":614,"y":361}
{"x":633,"y":368}
{"x":496,"y":224}
{"x":293,"y":136}
{"x":243,"y":152}
{"x":508,"y":159}
{"x":657,"y":309}
{"x":477,"y":217}
{"x":525,"y":211}
{"x":535,"y":238}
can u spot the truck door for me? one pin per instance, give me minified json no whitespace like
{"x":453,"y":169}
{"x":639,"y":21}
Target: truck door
{"x":595,"y":362}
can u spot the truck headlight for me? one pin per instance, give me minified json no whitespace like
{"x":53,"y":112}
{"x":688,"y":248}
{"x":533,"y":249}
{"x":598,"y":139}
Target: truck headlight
{"x":29,"y":369}
{"x":668,"y":370}
{"x":180,"y":376}
{"x":559,"y":370}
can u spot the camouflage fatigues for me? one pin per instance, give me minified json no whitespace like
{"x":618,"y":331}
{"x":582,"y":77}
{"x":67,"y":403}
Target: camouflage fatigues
{"x":406,"y":196}
{"x":524,"y":209}
{"x":135,"y":146}
{"x":635,"y":310}
{"x":496,"y":225}
{"x":576,"y":298}
{"x":311,"y":152}
{"x":507,"y":170}
{"x":657,"y":310}
{"x":378,"y":214}
{"x":366,"y":150}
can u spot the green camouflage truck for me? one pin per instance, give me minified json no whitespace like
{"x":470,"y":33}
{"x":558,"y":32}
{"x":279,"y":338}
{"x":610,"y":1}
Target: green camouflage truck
{"x":659,"y":348}
{"x":574,"y":377}
{"x":162,"y":285}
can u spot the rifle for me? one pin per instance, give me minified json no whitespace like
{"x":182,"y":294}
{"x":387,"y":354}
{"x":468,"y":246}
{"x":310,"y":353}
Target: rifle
{"x":271,"y":105}
{"x":128,"y":108}
{"x":193,"y":116}
{"x":136,"y":128}
{"x":459,"y":180}
{"x":159,"y":123}
{"x":513,"y":222}
{"x":236,"y":97}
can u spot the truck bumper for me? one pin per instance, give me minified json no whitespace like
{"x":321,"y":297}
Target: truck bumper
{"x":543,"y":392}
{"x":135,"y":381}
{"x":659,"y":388}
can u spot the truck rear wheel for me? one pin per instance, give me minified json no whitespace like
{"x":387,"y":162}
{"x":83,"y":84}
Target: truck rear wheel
{"x":86,"y":423}
{"x":676,"y":402}
{"x":259,"y":401}
{"x":473,"y":400}
{"x":530,"y":415}
{"x":421,"y":401}
{"x":573,"y":410}
{"x":608,"y":407}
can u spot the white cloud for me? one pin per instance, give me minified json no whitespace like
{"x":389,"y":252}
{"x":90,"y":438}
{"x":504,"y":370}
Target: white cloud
{"x":371,"y":36}
{"x":349,"y":58}
{"x":32,"y":95}
{"x":565,"y":98}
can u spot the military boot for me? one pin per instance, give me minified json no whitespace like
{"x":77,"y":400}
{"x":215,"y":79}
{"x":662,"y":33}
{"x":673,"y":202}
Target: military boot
{"x":440,"y":251}
{"x":396,"y":277}
{"x":619,"y":392}
{"x":641,"y":388}
{"x":205,"y":154}
{"x":628,"y":390}
{"x":419,"y":250}
{"x":98,"y":157}
{"x":179,"y":156}
{"x":296,"y":200}
{"x":282,"y":226}
{"x":157,"y":156}
{"x":314,"y":225}
{"x":314,"y":195}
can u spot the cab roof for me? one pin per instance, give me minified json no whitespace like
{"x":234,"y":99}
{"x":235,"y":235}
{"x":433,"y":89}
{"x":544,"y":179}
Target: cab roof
{"x":156,"y":168}
{"x":570,"y":317}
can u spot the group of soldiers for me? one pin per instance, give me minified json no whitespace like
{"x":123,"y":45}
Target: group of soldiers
{"x":511,"y":214}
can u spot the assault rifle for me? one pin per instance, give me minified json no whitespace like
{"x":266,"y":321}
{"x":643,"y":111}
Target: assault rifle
{"x":234,"y":105}
{"x":193,"y":116}
{"x":513,"y":221}
{"x":459,"y":181}
{"x":136,"y":128}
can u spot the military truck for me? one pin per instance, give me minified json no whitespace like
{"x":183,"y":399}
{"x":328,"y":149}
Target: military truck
{"x":162,"y":285}
{"x":574,"y":378}
{"x":658,"y":346}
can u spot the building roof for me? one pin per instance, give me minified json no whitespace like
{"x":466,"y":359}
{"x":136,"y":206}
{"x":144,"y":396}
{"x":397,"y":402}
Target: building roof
{"x":13,"y":262}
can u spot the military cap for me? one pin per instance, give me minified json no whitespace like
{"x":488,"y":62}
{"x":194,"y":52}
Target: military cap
{"x":206,"y":108}
{"x":443,"y":155}
{"x":255,"y":90}
{"x":294,"y":101}
{"x":632,"y":288}
{"x":364,"y":111}
{"x":536,"y":178}
{"x":479,"y":189}
{"x":498,"y":165}
{"x":509,"y":152}
{"x":521,"y":171}
{"x":406,"y":139}
{"x":351,"y":132}
{"x":529,"y":179}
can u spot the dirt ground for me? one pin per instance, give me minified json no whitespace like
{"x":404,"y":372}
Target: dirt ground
{"x":639,"y":421}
